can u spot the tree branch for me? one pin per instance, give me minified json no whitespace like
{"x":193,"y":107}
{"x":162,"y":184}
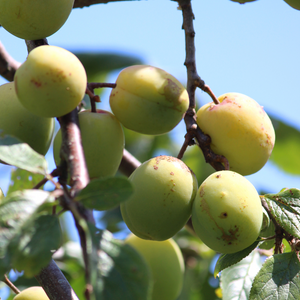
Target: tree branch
{"x":218,"y":162}
{"x":128,"y":164}
{"x":8,"y":66}
{"x":55,"y":283}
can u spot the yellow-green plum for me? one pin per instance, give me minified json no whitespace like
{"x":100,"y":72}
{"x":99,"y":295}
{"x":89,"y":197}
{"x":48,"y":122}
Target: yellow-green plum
{"x":227,"y":212}
{"x":51,"y":82}
{"x":164,"y":190}
{"x":17,"y":121}
{"x":240,"y":130}
{"x":32,"y":293}
{"x":293,"y":3}
{"x":148,"y":100}
{"x":34,"y":19}
{"x":102,"y":141}
{"x":166,"y":265}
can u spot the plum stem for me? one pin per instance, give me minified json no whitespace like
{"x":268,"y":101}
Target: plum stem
{"x":11,"y":285}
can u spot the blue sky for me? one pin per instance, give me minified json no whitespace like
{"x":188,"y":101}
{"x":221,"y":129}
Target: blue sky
{"x":251,"y":48}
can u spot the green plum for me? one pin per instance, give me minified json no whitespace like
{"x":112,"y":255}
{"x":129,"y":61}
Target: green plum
{"x":17,"y":121}
{"x":148,"y":100}
{"x":102,"y":140}
{"x":32,"y":293}
{"x":293,"y":3}
{"x":34,"y":19}
{"x":51,"y":82}
{"x":240,"y":130}
{"x":166,"y":265}
{"x":164,"y":190}
{"x":227,"y":212}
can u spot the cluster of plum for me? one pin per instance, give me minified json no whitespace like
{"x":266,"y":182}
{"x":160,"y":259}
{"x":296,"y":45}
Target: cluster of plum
{"x":226,"y":210}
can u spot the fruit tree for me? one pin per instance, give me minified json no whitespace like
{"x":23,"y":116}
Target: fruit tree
{"x":124,"y":178}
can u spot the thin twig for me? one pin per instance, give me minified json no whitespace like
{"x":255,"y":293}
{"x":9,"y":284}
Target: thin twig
{"x":11,"y":285}
{"x":53,"y":174}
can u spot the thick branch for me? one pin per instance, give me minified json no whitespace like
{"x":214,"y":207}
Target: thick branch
{"x":128,"y":164}
{"x":72,"y":151}
{"x":55,"y":283}
{"x":8,"y":66}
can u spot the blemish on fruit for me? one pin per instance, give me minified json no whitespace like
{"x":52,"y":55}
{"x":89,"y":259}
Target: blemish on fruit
{"x":223,"y":215}
{"x":218,"y":176}
{"x":172,"y":173}
{"x":231,"y":236}
{"x":36,"y":83}
{"x":201,"y":191}
{"x":155,"y":167}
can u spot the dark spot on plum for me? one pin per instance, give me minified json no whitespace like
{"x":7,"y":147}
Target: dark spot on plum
{"x":223,"y":215}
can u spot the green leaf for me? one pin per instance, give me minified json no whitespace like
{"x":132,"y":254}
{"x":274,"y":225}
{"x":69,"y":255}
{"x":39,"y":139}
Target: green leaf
{"x":287,"y":147}
{"x":124,"y":273}
{"x":236,"y":281}
{"x":21,"y":180}
{"x":227,"y":260}
{"x":97,"y":64}
{"x":15,"y":210}
{"x":285,"y":207}
{"x":16,"y":153}
{"x":279,"y":278}
{"x":107,"y":193}
{"x":121,"y":273}
{"x":32,"y":246}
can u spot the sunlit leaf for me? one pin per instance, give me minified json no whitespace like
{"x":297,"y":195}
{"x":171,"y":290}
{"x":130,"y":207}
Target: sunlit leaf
{"x":236,"y":281}
{"x":279,"y":278}
{"x":227,"y":260}
{"x":107,"y":193}
{"x":285,"y":207}
{"x":21,"y":180}
{"x":15,"y":210}
{"x":16,"y":153}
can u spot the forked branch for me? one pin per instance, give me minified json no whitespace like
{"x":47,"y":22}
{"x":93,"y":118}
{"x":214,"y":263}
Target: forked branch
{"x":194,"y":133}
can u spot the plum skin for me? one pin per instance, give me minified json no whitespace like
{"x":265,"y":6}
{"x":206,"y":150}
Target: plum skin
{"x":227,"y":212}
{"x":102,"y":141}
{"x":164,"y":190}
{"x":32,"y":293}
{"x":51,"y":82}
{"x":240,"y":130}
{"x":21,"y":19}
{"x":148,"y":100}
{"x":293,"y":3}
{"x":166,"y":265}
{"x":17,"y":121}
